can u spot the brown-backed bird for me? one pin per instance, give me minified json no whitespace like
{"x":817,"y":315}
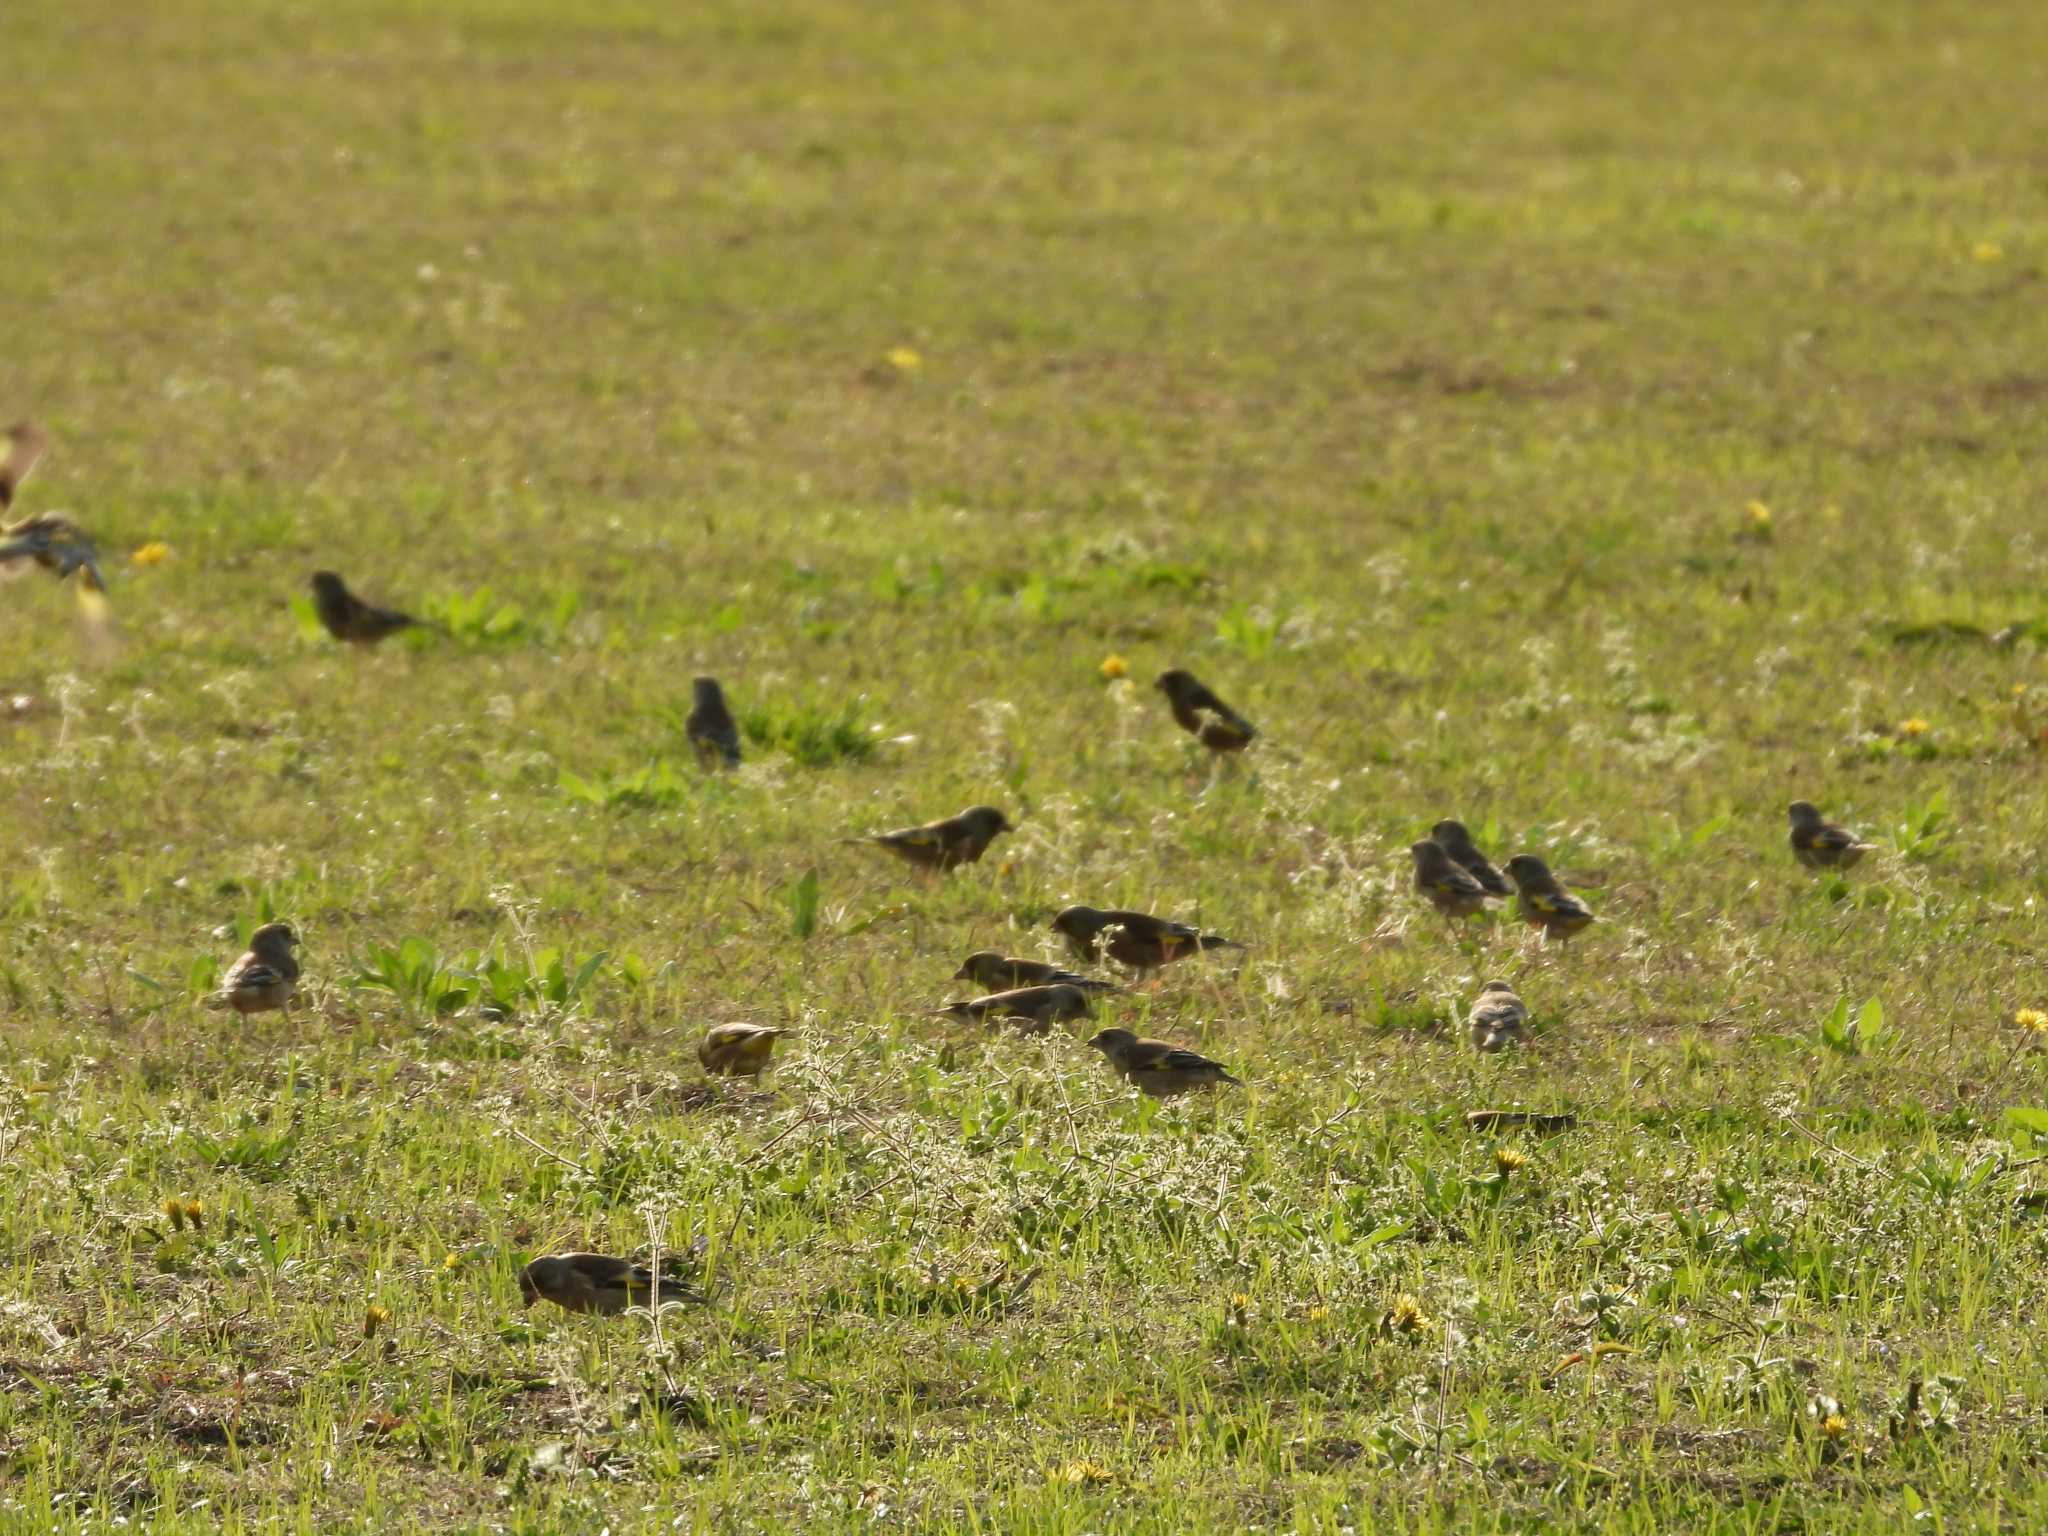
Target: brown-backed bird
{"x":947,"y":844}
{"x":1497,"y":1017}
{"x":265,"y":976}
{"x":710,"y":727}
{"x":737,"y":1050}
{"x":1159,"y":1067}
{"x":998,"y":971}
{"x":590,"y":1282}
{"x":1452,"y":837}
{"x":1039,"y":1005}
{"x":347,"y":617}
{"x":1136,"y":939}
{"x":1546,"y":904}
{"x":1199,"y":712}
{"x":1822,"y":844}
{"x":1448,"y":885}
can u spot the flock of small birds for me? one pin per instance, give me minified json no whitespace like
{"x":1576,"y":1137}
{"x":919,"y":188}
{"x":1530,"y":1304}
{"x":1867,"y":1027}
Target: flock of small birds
{"x":1450,"y":872}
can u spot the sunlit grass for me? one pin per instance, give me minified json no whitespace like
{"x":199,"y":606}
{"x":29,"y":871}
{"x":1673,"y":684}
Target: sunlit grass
{"x":1601,"y":427}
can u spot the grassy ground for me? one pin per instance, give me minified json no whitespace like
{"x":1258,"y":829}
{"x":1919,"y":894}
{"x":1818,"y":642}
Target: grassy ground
{"x":1409,"y":372}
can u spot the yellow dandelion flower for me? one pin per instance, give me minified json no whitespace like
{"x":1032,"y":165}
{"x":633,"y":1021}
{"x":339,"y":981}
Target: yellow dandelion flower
{"x":153,"y":553}
{"x":1508,"y":1160}
{"x":1319,"y":1314}
{"x":374,"y":1317}
{"x":1405,"y":1316}
{"x":1082,"y":1472}
{"x":174,"y":1208}
{"x":453,"y":1261}
{"x":1759,"y":515}
{"x":1985,"y":252}
{"x":1833,"y":1427}
{"x":904,"y":359}
{"x":1114,"y":667}
{"x":195,"y":1212}
{"x":1240,"y":1300}
{"x":2032,"y":1018}
{"x":1913,"y":727}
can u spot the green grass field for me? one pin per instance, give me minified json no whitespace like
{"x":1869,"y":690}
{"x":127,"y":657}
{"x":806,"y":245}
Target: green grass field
{"x":1604,"y":422}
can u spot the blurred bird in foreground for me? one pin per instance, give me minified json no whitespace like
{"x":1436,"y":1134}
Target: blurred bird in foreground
{"x":265,"y":976}
{"x":1040,"y":1005}
{"x":347,"y":617}
{"x":1497,"y":1018}
{"x":1822,"y":844}
{"x":51,"y":540}
{"x":710,"y":727}
{"x":998,"y":971}
{"x":1136,"y":939}
{"x":737,"y":1050}
{"x":1452,"y":837}
{"x":1546,"y":904}
{"x":1449,"y":886}
{"x":593,"y":1282}
{"x":1160,"y":1068}
{"x":1202,"y":714}
{"x":947,"y":844}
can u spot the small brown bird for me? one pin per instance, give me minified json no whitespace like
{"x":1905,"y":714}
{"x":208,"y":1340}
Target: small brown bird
{"x":1039,"y":1005}
{"x":1202,"y":714}
{"x":1449,"y":886}
{"x":1160,"y":1068}
{"x":1452,"y":837}
{"x":590,"y":1282}
{"x":1822,"y":844}
{"x":998,"y":971}
{"x":947,"y":844}
{"x":737,"y":1050}
{"x":347,"y":617}
{"x":710,"y":726}
{"x":1497,"y":1018}
{"x":1136,"y":939}
{"x":1546,"y":904}
{"x":265,"y":977}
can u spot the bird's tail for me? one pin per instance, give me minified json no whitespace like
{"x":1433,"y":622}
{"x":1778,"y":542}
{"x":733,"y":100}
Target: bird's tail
{"x":217,"y":1001}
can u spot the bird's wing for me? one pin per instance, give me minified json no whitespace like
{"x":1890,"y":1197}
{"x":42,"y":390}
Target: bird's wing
{"x":1454,"y":880}
{"x":25,"y":443}
{"x":252,"y":976}
{"x":1145,"y":926}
